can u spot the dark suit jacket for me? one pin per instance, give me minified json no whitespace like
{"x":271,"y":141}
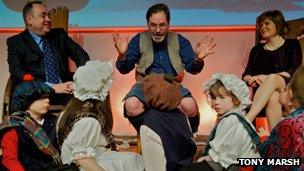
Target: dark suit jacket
{"x":25,"y":56}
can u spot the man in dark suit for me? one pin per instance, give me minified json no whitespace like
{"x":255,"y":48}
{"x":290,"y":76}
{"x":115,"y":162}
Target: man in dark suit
{"x":27,"y":53}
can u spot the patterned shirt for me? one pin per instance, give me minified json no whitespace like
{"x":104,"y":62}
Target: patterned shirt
{"x":286,"y":140}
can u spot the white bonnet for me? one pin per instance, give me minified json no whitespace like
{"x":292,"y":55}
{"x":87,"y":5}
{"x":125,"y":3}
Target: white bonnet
{"x":233,"y":84}
{"x":93,"y":80}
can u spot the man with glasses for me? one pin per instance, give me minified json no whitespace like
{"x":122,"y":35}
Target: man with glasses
{"x":158,"y":50}
{"x":42,"y":53}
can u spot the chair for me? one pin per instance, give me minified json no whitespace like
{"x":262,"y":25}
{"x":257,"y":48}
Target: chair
{"x":7,"y":98}
{"x":295,"y":28}
{"x":60,"y":17}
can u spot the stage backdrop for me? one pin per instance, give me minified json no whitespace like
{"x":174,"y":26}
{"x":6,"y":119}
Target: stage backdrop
{"x":100,"y":13}
{"x":231,"y":54}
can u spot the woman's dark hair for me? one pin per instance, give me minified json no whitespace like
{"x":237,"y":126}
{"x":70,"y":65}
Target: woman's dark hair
{"x":158,"y":8}
{"x":276,"y":17}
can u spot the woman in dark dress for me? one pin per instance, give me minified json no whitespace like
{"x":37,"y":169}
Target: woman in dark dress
{"x":270,"y":66}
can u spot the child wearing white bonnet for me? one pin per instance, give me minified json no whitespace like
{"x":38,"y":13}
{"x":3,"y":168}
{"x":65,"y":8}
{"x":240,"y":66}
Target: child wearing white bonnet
{"x":233,"y":136}
{"x":235,"y":86}
{"x":85,"y":126}
{"x":93,"y":81}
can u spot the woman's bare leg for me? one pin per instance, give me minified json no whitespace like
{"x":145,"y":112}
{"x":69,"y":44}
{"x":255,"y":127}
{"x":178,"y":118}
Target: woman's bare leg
{"x":263,"y":94}
{"x":274,"y":110}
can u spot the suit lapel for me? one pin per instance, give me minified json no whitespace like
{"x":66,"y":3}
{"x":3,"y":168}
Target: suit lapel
{"x":30,"y":42}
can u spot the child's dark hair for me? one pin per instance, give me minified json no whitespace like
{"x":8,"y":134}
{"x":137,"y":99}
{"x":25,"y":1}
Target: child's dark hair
{"x":215,"y":91}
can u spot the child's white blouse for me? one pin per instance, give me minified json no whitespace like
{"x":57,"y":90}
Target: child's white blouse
{"x":231,"y":141}
{"x":86,"y":140}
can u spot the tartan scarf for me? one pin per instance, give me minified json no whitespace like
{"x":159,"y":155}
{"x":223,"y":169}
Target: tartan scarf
{"x":252,"y":133}
{"x":34,"y":130}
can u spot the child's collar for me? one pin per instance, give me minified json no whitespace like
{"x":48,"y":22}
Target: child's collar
{"x":234,"y":110}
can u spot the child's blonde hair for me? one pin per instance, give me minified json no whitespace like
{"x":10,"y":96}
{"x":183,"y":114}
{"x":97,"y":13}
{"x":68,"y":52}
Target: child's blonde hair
{"x":297,"y":85}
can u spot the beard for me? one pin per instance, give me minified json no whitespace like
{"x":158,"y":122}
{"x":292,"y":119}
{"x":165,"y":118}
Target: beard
{"x":158,"y":38}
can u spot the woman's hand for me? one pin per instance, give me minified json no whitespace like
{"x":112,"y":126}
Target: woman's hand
{"x":250,"y":80}
{"x":255,"y":81}
{"x":260,"y":79}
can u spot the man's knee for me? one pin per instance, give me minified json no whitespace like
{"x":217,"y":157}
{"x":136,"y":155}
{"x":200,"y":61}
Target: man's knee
{"x":188,"y":106}
{"x":133,"y":106}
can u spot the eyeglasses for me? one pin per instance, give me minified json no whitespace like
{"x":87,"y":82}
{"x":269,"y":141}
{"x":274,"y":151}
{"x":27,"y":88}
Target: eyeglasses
{"x":161,"y":26}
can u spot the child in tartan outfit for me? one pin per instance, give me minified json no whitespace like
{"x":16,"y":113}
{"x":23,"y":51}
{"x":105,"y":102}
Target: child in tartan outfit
{"x":28,"y":136}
